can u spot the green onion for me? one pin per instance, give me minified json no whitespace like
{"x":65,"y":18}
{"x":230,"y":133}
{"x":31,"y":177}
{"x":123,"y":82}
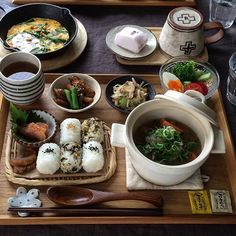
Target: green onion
{"x":68,"y":97}
{"x":26,"y":22}
{"x":55,"y":40}
{"x":36,"y":50}
{"x":165,"y":145}
{"x":74,"y":98}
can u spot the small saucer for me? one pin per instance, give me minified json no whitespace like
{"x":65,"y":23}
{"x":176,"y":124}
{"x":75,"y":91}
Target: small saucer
{"x":121,"y":52}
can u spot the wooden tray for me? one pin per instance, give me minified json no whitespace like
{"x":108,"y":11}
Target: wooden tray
{"x":157,"y":57}
{"x":115,"y":2}
{"x":65,"y":58}
{"x":176,"y":209}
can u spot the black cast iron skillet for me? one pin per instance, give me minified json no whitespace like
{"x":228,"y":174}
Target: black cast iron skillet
{"x":43,"y":10}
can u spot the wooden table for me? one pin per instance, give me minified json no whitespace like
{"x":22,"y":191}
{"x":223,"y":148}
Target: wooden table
{"x":98,"y":59}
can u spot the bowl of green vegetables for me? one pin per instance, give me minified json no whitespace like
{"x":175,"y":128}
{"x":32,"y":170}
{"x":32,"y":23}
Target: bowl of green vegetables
{"x":188,"y":73}
{"x":75,"y":92}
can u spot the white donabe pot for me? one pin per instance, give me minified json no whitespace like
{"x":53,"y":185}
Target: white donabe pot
{"x":122,"y":136}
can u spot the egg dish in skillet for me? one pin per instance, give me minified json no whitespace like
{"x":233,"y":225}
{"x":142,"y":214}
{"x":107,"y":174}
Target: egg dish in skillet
{"x":37,"y":35}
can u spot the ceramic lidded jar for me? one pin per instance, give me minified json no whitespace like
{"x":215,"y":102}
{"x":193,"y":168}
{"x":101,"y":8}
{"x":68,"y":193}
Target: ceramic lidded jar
{"x":183,"y":33}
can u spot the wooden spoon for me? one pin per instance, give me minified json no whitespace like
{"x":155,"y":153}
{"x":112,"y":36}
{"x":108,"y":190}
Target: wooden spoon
{"x":76,"y":196}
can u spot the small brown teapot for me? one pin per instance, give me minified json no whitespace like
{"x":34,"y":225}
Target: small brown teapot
{"x":183,"y":33}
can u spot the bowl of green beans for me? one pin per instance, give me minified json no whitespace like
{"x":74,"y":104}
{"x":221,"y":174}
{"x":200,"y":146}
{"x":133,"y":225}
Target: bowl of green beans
{"x":75,"y":92}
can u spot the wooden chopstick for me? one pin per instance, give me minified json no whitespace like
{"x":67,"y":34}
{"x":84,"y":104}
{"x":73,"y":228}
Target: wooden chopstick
{"x":91,"y":211}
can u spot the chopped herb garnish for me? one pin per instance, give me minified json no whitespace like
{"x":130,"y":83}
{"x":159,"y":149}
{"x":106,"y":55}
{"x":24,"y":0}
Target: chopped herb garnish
{"x":165,"y":145}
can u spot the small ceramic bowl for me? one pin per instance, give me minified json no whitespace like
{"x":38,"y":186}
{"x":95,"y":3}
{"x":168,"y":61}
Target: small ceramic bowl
{"x":62,"y":81}
{"x":24,"y":98}
{"x":53,"y":126}
{"x":212,"y":84}
{"x":17,"y":89}
{"x":121,"y":80}
{"x":25,"y":88}
{"x":15,"y":57}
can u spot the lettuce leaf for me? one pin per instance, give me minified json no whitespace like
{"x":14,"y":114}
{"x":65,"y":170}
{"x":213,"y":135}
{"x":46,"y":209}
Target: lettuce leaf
{"x":20,"y":117}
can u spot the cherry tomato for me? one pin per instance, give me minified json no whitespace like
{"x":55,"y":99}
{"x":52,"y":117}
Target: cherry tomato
{"x":204,"y":88}
{"x":197,"y":86}
{"x":194,"y":86}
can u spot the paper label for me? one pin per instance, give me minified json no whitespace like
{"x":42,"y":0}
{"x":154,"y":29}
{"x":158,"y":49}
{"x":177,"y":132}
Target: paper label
{"x":220,"y":200}
{"x":200,"y":203}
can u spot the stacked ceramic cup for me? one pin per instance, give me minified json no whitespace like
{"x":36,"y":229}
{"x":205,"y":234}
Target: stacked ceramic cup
{"x":21,"y":78}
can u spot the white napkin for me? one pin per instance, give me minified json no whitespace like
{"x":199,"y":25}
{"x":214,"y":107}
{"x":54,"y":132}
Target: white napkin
{"x":135,"y":182}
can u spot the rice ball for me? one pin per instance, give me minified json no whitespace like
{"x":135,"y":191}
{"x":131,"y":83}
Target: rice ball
{"x":48,"y":159}
{"x":93,"y":159}
{"x":92,"y":130}
{"x":71,"y":157}
{"x":70,"y":131}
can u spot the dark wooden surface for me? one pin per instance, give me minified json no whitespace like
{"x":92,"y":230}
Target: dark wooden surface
{"x":98,"y":59}
{"x":116,"y":2}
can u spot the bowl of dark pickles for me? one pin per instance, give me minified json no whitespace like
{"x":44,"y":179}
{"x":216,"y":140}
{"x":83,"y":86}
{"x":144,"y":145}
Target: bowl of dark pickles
{"x":75,"y":92}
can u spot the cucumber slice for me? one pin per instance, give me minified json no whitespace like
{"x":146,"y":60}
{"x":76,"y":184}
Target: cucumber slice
{"x":205,"y":77}
{"x":198,"y":73}
{"x":186,"y":82}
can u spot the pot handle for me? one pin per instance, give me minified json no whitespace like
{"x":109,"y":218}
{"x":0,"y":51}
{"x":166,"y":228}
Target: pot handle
{"x":218,"y":35}
{"x":219,"y":143}
{"x":196,"y":95}
{"x":117,"y":135}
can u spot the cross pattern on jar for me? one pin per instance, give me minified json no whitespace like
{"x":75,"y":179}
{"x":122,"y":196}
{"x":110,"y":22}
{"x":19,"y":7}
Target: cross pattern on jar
{"x":186,"y":18}
{"x":188,"y":47}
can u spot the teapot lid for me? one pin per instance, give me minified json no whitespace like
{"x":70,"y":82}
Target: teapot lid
{"x":185,"y":18}
{"x":192,"y":103}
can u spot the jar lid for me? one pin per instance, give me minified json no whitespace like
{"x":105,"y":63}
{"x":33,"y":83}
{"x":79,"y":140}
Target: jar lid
{"x":192,"y":103}
{"x":185,"y":18}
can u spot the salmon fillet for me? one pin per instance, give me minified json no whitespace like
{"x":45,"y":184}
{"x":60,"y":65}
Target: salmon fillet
{"x":36,"y":131}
